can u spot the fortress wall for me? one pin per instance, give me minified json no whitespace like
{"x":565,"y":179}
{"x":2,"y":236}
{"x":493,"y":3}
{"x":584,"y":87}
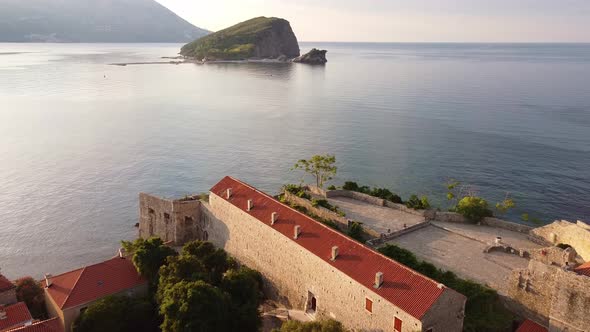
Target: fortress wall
{"x":293,"y":272}
{"x":576,"y":235}
{"x":170,"y":220}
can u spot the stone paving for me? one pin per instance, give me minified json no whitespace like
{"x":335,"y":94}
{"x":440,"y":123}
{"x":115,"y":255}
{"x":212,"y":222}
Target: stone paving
{"x":463,"y":255}
{"x":379,"y":218}
{"x":488,"y":234}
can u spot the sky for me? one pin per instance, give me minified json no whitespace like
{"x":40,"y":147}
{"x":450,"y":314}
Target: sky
{"x":404,"y":20}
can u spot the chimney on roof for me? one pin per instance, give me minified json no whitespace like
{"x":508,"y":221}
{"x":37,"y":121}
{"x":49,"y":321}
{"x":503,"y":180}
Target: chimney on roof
{"x":297,"y":231}
{"x":121,"y":253}
{"x":273,"y":218}
{"x":334,"y":252}
{"x":3,"y":314}
{"x":441,"y":286}
{"x":48,"y":280}
{"x":378,"y":279}
{"x":228,"y":193}
{"x":250,"y":205}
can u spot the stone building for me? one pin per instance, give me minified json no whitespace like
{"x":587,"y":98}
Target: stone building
{"x":171,"y":220}
{"x":307,"y":265}
{"x":13,"y":316}
{"x":7,"y":291}
{"x":553,"y":292}
{"x":67,"y":294}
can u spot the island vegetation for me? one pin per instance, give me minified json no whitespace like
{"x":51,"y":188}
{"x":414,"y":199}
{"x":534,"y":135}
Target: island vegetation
{"x":260,"y":37}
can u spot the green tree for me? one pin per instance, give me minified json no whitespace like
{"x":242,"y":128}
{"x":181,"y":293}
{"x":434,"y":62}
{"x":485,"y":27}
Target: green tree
{"x":245,"y":289}
{"x":30,"y":292}
{"x":323,"y":168}
{"x":216,"y":261}
{"x":148,"y":256}
{"x":318,"y":326}
{"x":506,"y":204}
{"x":118,"y":314}
{"x":474,"y":208}
{"x":196,"y":307}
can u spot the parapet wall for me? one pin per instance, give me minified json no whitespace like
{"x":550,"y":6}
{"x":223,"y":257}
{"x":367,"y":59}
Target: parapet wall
{"x":576,"y":235}
{"x":322,"y":212}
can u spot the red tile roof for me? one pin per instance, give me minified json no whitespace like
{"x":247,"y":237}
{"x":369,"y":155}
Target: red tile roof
{"x":93,"y":282}
{"x":5,"y":284}
{"x":583,"y":269}
{"x":16,"y":314}
{"x":405,"y":288}
{"x":530,"y":326}
{"x":50,"y":325}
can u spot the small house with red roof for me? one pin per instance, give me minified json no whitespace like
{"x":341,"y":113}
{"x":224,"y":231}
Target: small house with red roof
{"x":49,"y":325}
{"x":7,"y":291}
{"x":13,"y":316}
{"x":320,"y":270}
{"x":68,"y":294}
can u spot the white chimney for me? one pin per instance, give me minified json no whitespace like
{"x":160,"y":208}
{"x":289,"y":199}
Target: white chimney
{"x":378,"y":279}
{"x":228,"y":193}
{"x":441,"y":286}
{"x":48,"y":280}
{"x":250,"y":205}
{"x":3,"y":314}
{"x":121,"y":253}
{"x":273,"y":218}
{"x":297,"y":231}
{"x":334,"y":252}
{"x":498,"y":240}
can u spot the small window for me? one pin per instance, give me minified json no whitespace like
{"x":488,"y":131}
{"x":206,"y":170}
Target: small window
{"x":150,"y":210}
{"x":167,"y":215}
{"x":397,"y":324}
{"x":368,"y":305}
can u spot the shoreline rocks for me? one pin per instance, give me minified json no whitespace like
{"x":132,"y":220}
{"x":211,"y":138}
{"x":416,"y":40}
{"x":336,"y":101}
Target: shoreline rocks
{"x":313,"y":57}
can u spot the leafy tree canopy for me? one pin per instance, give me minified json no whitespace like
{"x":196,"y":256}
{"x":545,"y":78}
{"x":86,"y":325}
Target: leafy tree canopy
{"x":474,"y":208}
{"x":148,"y":256}
{"x":30,"y":292}
{"x":195,"y":306}
{"x":323,"y":168}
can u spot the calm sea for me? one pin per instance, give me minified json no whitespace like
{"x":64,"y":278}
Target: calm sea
{"x":79,"y":139}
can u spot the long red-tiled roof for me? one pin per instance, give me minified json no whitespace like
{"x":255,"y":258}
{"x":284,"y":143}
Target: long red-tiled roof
{"x":16,"y":314}
{"x":50,"y":325}
{"x":405,"y":288}
{"x":5,"y":284}
{"x":530,"y":326}
{"x":583,"y":269}
{"x":93,"y":282}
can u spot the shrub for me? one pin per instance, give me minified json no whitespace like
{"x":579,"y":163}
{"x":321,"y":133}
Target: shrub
{"x":349,"y":185}
{"x":319,"y":326}
{"x":332,"y":187}
{"x":473,"y":209}
{"x":29,"y":292}
{"x":296,"y":190}
{"x":416,"y":203}
{"x":355,"y":231}
{"x":386,"y":194}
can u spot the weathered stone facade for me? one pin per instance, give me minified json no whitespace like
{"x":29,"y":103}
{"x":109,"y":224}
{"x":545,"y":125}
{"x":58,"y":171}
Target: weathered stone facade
{"x":295,"y":275}
{"x":576,"y":235}
{"x":559,"y":299}
{"x":173,"y":221}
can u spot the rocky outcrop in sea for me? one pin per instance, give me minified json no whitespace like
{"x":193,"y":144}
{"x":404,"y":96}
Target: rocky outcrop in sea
{"x":313,"y":57}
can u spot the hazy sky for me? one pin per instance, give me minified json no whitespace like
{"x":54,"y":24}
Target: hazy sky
{"x":404,"y":20}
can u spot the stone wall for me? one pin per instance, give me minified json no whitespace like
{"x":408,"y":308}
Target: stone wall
{"x":8,"y":296}
{"x":553,"y":296}
{"x":576,"y":235}
{"x":171,"y":220}
{"x":404,"y":208}
{"x":356,"y":195}
{"x":383,"y":238}
{"x":322,"y":212}
{"x":292,"y":273}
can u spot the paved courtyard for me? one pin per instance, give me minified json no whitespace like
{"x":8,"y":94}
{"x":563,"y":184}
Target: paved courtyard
{"x":464,"y":255}
{"x":380,"y":219}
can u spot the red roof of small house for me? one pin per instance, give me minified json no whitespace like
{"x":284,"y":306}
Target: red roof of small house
{"x":402,"y":286}
{"x":93,"y":282}
{"x":5,"y":284}
{"x":16,"y":314}
{"x":50,"y":325}
{"x":530,"y":326}
{"x":583,"y":269}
